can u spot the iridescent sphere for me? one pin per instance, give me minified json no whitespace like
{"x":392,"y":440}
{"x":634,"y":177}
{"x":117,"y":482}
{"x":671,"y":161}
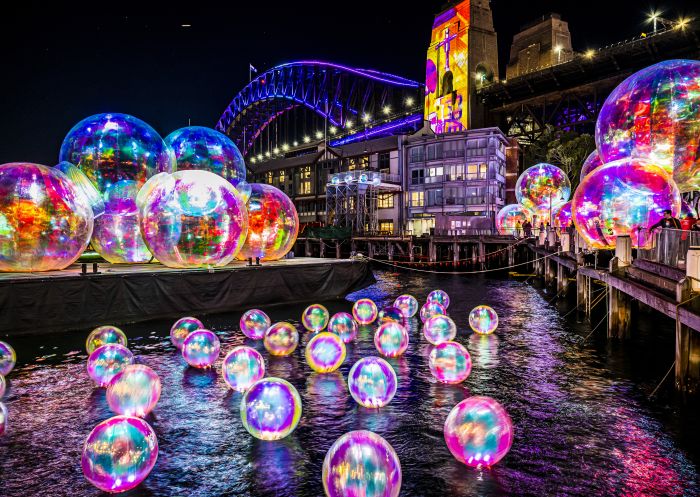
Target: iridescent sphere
{"x":106,"y":361}
{"x":592,"y":162}
{"x":86,"y":187}
{"x":430,"y":309}
{"x":8,"y":358}
{"x":623,"y":198}
{"x":508,"y":218}
{"x":653,"y":116}
{"x":450,"y":362}
{"x":205,"y":149}
{"x":562,"y":218}
{"x":242,"y":367}
{"x":134,"y":391}
{"x":343,"y":325}
{"x":273,"y":224}
{"x":483,"y":320}
{"x":271,"y":409}
{"x":254,"y":323}
{"x":478,"y":432}
{"x":281,"y":339}
{"x":392,"y":314}
{"x":182,"y":328}
{"x":391,"y":339}
{"x":315,"y":317}
{"x":408,"y":305}
{"x":372,"y":382}
{"x":361,"y":464}
{"x":3,"y":386}
{"x":687,"y":211}
{"x":364,"y":311}
{"x":325,"y":352}
{"x":45,"y":220}
{"x":201,"y":348}
{"x":117,"y":152}
{"x":439,"y":297}
{"x":245,"y":190}
{"x":439,"y":328}
{"x":541,"y":188}
{"x":3,"y":419}
{"x":102,"y":335}
{"x":119,"y":453}
{"x":194,"y":219}
{"x":118,"y":238}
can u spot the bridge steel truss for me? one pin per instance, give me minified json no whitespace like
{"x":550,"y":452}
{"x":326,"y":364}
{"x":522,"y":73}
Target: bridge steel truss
{"x":333,"y":94}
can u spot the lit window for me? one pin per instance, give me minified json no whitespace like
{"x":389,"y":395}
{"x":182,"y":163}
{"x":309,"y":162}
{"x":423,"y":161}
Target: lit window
{"x":417,"y":199}
{"x":386,"y":226}
{"x":385,"y":201}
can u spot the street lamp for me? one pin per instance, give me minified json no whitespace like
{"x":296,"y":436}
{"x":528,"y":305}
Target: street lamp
{"x":409,"y":102}
{"x":653,"y":18}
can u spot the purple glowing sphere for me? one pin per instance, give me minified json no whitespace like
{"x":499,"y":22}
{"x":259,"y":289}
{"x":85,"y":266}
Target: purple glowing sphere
{"x":182,"y":328}
{"x":372,"y":382}
{"x":271,"y":409}
{"x":201,"y":348}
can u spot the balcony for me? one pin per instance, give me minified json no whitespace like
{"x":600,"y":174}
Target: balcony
{"x":363,"y":177}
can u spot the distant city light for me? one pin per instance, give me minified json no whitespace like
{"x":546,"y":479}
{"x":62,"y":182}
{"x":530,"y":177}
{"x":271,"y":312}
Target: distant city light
{"x":590,"y":53}
{"x":319,"y":135}
{"x":409,"y":101}
{"x":185,"y":25}
{"x":682,"y":23}
{"x":252,"y":160}
{"x":333,"y":130}
{"x":275,"y":150}
{"x":386,"y":109}
{"x":307,"y":139}
{"x":295,"y":144}
{"x":348,"y":124}
{"x":366,"y":118}
{"x":285,"y":147}
{"x":260,"y":156}
{"x":267,"y":154}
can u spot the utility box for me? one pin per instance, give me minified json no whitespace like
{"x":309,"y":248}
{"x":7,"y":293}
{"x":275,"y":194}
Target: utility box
{"x":623,"y":250}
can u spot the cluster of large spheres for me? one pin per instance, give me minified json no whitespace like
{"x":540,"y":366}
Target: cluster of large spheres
{"x":136,"y":197}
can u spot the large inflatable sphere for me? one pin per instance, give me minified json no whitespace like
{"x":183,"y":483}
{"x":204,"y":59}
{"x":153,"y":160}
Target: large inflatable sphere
{"x":194,"y":219}
{"x":273,"y":224}
{"x":118,"y":238}
{"x":562,"y":218}
{"x":45,"y":220}
{"x":542,"y":188}
{"x":624,"y":197}
{"x":508,"y":218}
{"x":653,"y":116}
{"x":83,"y":183}
{"x":205,"y":149}
{"x":592,"y":162}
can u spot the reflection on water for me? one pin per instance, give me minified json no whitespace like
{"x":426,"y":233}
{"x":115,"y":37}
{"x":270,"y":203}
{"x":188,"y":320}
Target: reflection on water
{"x":582,"y":423}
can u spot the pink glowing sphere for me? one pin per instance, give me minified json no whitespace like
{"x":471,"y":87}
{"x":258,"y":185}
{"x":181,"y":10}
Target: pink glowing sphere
{"x":242,"y":367}
{"x":361,"y":464}
{"x":392,"y":314}
{"x":281,"y":339}
{"x":623,"y":198}
{"x":483,"y":320}
{"x":273,"y":224}
{"x":391,"y":339}
{"x":315,"y":317}
{"x":364,"y":311}
{"x":372,"y":382}
{"x":119,"y":454}
{"x":439,"y":328}
{"x":254,"y":323}
{"x":509,"y":217}
{"x":430,"y":309}
{"x":201,"y":349}
{"x":439,"y":297}
{"x":450,"y":362}
{"x":106,"y":361}
{"x":563,"y":217}
{"x":478,"y":432}
{"x":271,"y":409}
{"x":542,"y":188}
{"x":408,"y":305}
{"x":182,"y":328}
{"x":8,"y":358}
{"x":592,"y":162}
{"x":343,"y":325}
{"x":134,"y":391}
{"x":653,"y":116}
{"x":325,"y":352}
{"x":102,"y":335}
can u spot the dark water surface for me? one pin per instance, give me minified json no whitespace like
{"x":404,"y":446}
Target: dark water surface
{"x":583,"y":424}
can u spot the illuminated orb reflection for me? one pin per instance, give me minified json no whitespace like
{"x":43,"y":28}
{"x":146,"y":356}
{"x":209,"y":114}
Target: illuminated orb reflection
{"x":242,"y":367}
{"x":134,"y":391}
{"x":450,"y":362}
{"x":271,"y":409}
{"x":325,"y":352}
{"x":372,"y":382}
{"x":254,"y":323}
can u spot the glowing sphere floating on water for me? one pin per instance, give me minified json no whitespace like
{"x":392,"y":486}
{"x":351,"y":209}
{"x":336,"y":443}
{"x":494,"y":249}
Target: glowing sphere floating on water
{"x":8,"y":358}
{"x":450,"y":362}
{"x":325,"y":352}
{"x":541,"y":188}
{"x":194,"y":219}
{"x":439,"y":297}
{"x":361,"y":464}
{"x":439,"y":328}
{"x":592,"y":162}
{"x":315,"y":317}
{"x":106,"y":361}
{"x":364,"y":311}
{"x":623,"y":198}
{"x":182,"y":328}
{"x":653,"y":115}
{"x":281,"y":339}
{"x":508,"y":218}
{"x":118,"y":238}
{"x":408,"y":305}
{"x":3,"y":419}
{"x":563,"y":217}
{"x":242,"y":367}
{"x":273,"y":224}
{"x":391,"y":339}
{"x":102,"y":335}
{"x":343,"y":325}
{"x":392,"y":314}
{"x":134,"y":391}
{"x":254,"y":323}
{"x":430,"y":309}
{"x":478,"y":432}
{"x":271,"y":409}
{"x":201,"y":348}
{"x":205,"y":149}
{"x":45,"y":220}
{"x":372,"y":382}
{"x":483,"y":320}
{"x":86,"y":187}
{"x":119,"y":453}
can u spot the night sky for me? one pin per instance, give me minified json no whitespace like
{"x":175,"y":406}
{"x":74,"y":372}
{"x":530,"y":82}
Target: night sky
{"x":61,"y":67}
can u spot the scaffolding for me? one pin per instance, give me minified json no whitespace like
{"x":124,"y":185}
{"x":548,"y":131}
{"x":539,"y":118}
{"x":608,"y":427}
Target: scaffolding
{"x":351,"y":201}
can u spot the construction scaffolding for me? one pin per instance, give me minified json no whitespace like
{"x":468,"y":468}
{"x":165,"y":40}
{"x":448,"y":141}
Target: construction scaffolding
{"x":351,"y":201}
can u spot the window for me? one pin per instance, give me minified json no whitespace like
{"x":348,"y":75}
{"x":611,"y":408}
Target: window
{"x":268,"y":177}
{"x":358,"y":163}
{"x":472,"y":171}
{"x":454,"y":172}
{"x":385,"y":200}
{"x":434,"y":151}
{"x":384,"y":162}
{"x":417,"y":199}
{"x":305,"y":188}
{"x":433,"y":197}
{"x":305,"y":172}
{"x":282,"y":177}
{"x":386,"y":226}
{"x":435,"y":171}
{"x":417,"y":176}
{"x":416,"y":154}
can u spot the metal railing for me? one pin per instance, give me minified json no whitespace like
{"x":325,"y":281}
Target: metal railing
{"x":666,"y":246}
